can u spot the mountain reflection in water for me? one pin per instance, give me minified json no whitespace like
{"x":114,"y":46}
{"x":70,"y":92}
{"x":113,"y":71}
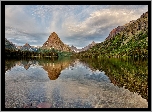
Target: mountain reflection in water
{"x":89,"y":79}
{"x":53,"y":66}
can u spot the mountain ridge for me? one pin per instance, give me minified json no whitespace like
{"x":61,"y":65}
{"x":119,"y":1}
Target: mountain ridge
{"x":131,"y":39}
{"x":131,"y":27}
{"x":74,"y":49}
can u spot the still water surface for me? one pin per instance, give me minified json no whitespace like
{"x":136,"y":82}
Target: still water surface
{"x":75,"y":83}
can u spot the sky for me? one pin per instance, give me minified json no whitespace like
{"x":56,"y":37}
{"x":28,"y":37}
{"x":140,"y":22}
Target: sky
{"x":76,"y":25}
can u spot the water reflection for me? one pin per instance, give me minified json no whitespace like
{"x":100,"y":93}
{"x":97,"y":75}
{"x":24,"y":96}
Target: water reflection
{"x":9,"y":64}
{"x":130,"y":74}
{"x":26,"y":64}
{"x":53,"y":66}
{"x":78,"y":83}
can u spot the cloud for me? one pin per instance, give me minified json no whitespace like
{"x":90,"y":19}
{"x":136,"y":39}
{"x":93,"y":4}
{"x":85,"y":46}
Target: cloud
{"x":101,"y":19}
{"x":76,"y":25}
{"x":21,"y":37}
{"x":16,"y":17}
{"x":21,"y":27}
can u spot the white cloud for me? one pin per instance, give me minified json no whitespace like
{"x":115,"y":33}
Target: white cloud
{"x":16,"y":17}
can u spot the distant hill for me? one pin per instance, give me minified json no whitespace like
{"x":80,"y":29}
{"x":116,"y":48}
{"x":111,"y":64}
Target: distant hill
{"x":130,"y":39}
{"x":74,"y":49}
{"x":9,"y":45}
{"x":88,"y":46}
{"x":26,"y":47}
{"x":55,"y":42}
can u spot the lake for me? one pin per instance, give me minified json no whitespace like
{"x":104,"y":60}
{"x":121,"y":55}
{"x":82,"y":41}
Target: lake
{"x":76,"y":83}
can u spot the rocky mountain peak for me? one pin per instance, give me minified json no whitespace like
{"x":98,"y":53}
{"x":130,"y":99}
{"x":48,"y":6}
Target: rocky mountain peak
{"x":53,"y":33}
{"x":55,"y":42}
{"x":27,"y":45}
{"x":53,"y":36}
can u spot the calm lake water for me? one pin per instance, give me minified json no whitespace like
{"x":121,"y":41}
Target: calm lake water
{"x":76,"y":83}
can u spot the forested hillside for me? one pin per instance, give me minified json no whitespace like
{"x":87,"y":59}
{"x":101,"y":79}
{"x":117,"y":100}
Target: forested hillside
{"x":130,"y":39}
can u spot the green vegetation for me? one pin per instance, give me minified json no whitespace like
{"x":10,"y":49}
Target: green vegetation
{"x":39,"y":53}
{"x":120,"y":46}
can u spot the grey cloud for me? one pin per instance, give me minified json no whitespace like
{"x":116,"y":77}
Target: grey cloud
{"x":32,"y":39}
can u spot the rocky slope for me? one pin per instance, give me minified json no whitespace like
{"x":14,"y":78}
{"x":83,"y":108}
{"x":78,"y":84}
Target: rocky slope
{"x":115,"y":31}
{"x":55,"y":42}
{"x":131,"y":28}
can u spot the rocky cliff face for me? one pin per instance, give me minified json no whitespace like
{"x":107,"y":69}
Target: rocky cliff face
{"x":9,"y":45}
{"x":55,"y":42}
{"x":131,"y":28}
{"x":115,"y":31}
